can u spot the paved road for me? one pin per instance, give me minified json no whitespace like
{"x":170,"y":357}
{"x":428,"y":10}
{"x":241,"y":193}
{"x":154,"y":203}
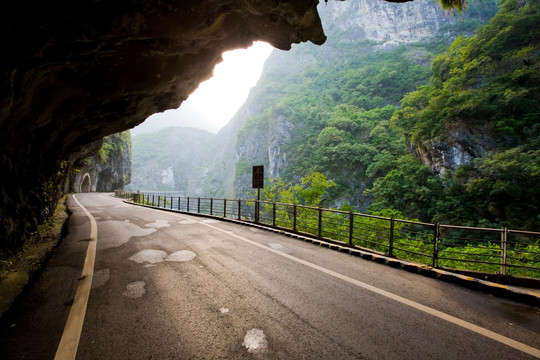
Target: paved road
{"x":174,"y":286}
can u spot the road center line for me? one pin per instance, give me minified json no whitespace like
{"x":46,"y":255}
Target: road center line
{"x":67,"y":349}
{"x":452,"y":319}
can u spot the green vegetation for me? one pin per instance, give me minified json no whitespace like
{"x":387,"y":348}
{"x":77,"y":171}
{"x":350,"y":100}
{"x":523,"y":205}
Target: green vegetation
{"x":308,"y":192}
{"x":115,"y":144}
{"x":488,"y":86}
{"x":463,"y":148}
{"x":389,"y":232}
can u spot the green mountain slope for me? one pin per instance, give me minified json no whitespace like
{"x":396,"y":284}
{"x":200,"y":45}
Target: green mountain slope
{"x":477,"y":124}
{"x":171,"y":159}
{"x":328,"y":109}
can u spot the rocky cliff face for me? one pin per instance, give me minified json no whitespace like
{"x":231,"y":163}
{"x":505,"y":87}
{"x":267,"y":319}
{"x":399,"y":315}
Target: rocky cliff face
{"x":106,"y":171}
{"x":355,"y":29}
{"x":74,"y":72}
{"x":461,"y":147}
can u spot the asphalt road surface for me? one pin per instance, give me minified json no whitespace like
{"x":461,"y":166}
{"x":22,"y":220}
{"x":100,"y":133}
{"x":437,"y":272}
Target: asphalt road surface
{"x":174,"y":286}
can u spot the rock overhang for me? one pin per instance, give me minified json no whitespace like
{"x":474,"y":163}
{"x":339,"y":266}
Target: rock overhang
{"x":74,"y":72}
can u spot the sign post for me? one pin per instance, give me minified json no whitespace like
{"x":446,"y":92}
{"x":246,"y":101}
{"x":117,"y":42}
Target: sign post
{"x":258,"y":183}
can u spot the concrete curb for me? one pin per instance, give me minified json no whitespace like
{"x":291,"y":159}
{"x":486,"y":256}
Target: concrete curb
{"x":504,"y":291}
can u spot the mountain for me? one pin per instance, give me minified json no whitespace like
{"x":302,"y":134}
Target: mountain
{"x":476,"y":124}
{"x":295,"y":120}
{"x":171,"y":159}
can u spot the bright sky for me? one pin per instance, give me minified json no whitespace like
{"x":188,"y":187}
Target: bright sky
{"x":216,"y":100}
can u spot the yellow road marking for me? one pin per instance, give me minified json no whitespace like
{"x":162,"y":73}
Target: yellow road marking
{"x":67,"y":349}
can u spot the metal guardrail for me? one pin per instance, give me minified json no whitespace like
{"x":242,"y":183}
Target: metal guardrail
{"x":496,"y":251}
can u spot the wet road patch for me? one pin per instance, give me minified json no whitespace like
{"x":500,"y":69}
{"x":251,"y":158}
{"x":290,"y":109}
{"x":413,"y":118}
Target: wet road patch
{"x":135,"y":290}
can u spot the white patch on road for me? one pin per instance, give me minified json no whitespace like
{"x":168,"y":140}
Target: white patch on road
{"x":187,"y":222}
{"x":153,"y":256}
{"x":158,"y":224}
{"x":255,"y":230}
{"x":100,"y":278}
{"x":182,"y":255}
{"x":255,"y":341}
{"x":120,"y":233}
{"x":281,"y":248}
{"x":149,"y":255}
{"x":135,"y":290}
{"x":224,"y":310}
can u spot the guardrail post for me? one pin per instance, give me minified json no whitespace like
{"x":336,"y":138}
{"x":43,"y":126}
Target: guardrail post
{"x":274,"y":214}
{"x":239,"y":210}
{"x":351,"y":227}
{"x":224,"y":208}
{"x":435,"y":262}
{"x":198,"y":205}
{"x":391,"y":238}
{"x":319,"y":227}
{"x":504,"y":240}
{"x":294,"y":217}
{"x":153,"y":199}
{"x":211,"y":206}
{"x":256,"y":211}
{"x":188,"y":204}
{"x":179,"y":199}
{"x":158,"y":200}
{"x":172,"y":201}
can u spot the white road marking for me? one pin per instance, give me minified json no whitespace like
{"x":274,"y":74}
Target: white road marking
{"x":452,"y":319}
{"x":280,"y":247}
{"x":67,"y":349}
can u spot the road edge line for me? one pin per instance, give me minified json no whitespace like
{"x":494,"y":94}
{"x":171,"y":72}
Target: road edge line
{"x":67,"y":349}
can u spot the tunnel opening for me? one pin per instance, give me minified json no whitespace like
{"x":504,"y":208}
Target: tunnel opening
{"x":85,"y":185}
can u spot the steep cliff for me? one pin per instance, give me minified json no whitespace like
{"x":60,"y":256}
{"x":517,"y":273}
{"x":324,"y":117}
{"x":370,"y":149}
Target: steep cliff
{"x":475,"y":123}
{"x":106,"y":171}
{"x":376,"y":52}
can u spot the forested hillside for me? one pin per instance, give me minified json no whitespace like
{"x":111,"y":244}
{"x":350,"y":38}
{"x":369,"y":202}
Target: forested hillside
{"x":462,"y":149}
{"x":404,"y":108}
{"x":171,"y":159}
{"x":332,"y":113}
{"x":476,"y":124}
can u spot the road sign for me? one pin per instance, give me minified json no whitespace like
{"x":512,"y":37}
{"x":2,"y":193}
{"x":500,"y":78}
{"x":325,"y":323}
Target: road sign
{"x":258,"y":177}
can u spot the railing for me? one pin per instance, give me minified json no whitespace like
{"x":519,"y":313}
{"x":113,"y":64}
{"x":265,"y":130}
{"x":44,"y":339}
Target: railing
{"x":496,"y":251}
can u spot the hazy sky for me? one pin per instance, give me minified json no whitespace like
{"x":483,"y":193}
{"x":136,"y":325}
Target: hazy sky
{"x":216,"y":100}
